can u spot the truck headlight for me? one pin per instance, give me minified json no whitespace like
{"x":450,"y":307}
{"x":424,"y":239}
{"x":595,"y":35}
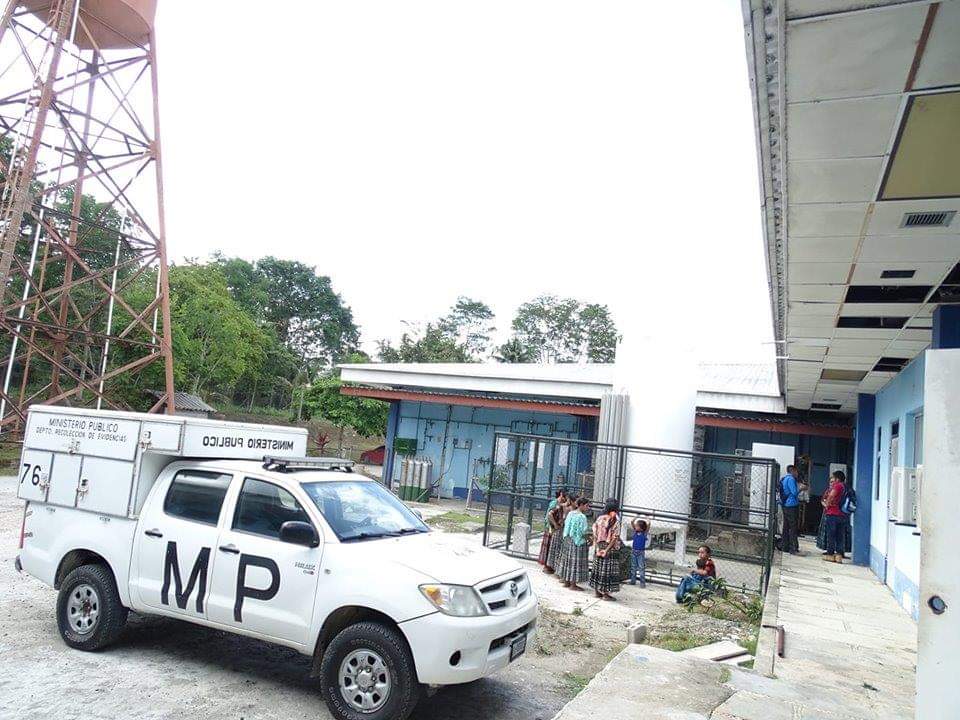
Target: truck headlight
{"x":458,"y":600}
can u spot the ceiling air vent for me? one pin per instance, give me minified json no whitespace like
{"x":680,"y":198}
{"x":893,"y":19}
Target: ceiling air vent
{"x":824,"y":406}
{"x":940,"y":218}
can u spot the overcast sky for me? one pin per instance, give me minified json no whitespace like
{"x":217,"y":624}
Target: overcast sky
{"x":419,"y":150}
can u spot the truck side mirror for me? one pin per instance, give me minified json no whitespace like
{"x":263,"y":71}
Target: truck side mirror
{"x":297,"y":532}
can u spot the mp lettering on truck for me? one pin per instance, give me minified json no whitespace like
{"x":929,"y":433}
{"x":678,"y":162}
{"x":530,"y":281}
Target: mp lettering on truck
{"x":171,"y":568}
{"x":251,"y":443}
{"x":198,"y":578}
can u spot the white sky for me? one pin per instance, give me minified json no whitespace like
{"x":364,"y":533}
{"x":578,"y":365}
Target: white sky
{"x":416,"y":151}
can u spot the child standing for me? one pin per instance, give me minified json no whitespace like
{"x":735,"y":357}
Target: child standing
{"x":638,"y":559}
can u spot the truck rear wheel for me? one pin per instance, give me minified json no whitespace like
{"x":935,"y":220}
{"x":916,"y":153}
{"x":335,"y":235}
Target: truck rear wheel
{"x":367,"y":673}
{"x":89,"y":612}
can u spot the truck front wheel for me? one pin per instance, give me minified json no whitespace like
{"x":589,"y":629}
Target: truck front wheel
{"x":368,"y":674}
{"x":89,"y":612}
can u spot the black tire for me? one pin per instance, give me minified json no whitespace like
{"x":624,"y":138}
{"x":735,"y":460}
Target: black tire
{"x":94,"y":585}
{"x":388,"y":644}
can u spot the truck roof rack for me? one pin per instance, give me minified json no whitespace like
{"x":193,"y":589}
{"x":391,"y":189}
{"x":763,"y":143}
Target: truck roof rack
{"x":288,"y":464}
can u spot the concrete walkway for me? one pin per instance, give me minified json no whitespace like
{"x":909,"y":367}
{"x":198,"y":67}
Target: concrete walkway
{"x":845,"y":632}
{"x":850,"y":653}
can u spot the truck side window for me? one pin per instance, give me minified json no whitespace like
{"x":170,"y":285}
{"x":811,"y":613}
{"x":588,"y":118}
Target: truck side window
{"x":263,"y":507}
{"x":197,"y":495}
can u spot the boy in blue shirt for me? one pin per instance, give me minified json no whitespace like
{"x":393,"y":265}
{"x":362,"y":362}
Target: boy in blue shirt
{"x":638,"y":558}
{"x":788,"y":496}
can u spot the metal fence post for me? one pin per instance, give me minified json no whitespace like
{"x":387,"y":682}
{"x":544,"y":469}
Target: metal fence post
{"x":493,"y":467}
{"x":774,"y":470}
{"x":513,"y":493}
{"x":621,"y":475}
{"x":533,"y":482}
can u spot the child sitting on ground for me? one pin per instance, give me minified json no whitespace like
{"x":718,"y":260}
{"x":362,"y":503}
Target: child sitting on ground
{"x":638,"y":558}
{"x":704,"y":571}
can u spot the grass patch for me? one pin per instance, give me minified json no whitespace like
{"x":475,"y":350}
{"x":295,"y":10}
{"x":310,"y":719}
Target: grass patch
{"x":750,"y":643}
{"x":573,"y":684}
{"x":725,"y":675}
{"x":455,"y":521}
{"x":677,"y":640}
{"x":9,"y":455}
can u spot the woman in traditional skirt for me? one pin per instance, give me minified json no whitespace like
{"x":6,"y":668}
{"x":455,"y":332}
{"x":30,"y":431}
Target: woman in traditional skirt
{"x":574,"y":565}
{"x":552,"y":522}
{"x":560,"y":513}
{"x":605,"y":575}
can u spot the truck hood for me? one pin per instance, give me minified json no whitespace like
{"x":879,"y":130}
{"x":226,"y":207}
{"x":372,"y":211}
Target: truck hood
{"x":444,"y":558}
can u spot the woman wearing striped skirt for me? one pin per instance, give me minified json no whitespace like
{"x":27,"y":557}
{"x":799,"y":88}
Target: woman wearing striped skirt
{"x":574,"y":564}
{"x":605,"y":575}
{"x":553,"y":531}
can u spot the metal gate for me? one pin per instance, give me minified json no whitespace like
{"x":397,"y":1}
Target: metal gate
{"x":688,"y":498}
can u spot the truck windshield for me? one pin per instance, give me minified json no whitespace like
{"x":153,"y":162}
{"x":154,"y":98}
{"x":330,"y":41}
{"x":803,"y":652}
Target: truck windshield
{"x":362,"y":510}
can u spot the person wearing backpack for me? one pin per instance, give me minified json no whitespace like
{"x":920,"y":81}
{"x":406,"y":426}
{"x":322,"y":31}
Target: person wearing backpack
{"x":788,"y":495}
{"x":834,"y":517}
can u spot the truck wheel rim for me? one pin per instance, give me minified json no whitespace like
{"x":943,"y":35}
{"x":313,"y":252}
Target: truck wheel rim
{"x":364,"y":681}
{"x":83,"y":609}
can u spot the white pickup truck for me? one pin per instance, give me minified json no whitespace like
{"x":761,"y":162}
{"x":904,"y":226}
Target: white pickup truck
{"x":172,"y":516}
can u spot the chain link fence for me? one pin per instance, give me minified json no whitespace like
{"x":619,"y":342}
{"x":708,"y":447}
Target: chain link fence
{"x":688,"y":499}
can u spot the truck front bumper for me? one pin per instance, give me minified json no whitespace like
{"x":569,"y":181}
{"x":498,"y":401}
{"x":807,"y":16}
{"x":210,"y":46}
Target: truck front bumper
{"x":450,"y":650}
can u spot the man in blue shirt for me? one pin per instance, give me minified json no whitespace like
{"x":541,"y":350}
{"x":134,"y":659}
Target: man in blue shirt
{"x":788,"y":495}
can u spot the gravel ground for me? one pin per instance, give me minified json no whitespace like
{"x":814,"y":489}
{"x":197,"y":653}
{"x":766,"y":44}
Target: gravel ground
{"x":163,"y":668}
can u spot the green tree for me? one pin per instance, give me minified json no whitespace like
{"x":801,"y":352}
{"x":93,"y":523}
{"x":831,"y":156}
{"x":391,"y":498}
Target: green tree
{"x":301,"y":307}
{"x":471,"y":323}
{"x":215,"y":343}
{"x":562,"y":330}
{"x":460,"y":336}
{"x":514,"y":351}
{"x":323,"y":399}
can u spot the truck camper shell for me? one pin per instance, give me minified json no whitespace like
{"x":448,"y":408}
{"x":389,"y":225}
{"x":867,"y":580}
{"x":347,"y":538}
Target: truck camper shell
{"x":105,"y":461}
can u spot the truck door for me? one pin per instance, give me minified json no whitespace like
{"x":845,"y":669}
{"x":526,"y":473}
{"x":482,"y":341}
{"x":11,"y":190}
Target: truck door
{"x":261,"y":584}
{"x":176,"y":542}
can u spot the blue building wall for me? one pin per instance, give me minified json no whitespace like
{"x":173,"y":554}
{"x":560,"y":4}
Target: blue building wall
{"x":895,"y":549}
{"x":469,"y":440}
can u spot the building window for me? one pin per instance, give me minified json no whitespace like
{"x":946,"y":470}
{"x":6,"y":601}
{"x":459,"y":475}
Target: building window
{"x":879,"y":451}
{"x":918,"y":439}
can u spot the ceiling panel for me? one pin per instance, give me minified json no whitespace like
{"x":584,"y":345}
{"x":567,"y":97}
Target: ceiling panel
{"x":797,"y":309}
{"x":818,"y":273}
{"x":899,"y":248}
{"x":880,"y":309}
{"x":825,"y":64}
{"x":905,"y":348}
{"x":823,"y":181}
{"x":926,"y":160}
{"x":818,"y":293}
{"x":858,"y":127}
{"x":823,"y":249}
{"x":845,"y":346}
{"x":802,"y":352}
{"x":866,"y":273}
{"x":941,"y":59}
{"x":826,"y":219}
{"x":863,"y":334}
{"x":887,"y":217}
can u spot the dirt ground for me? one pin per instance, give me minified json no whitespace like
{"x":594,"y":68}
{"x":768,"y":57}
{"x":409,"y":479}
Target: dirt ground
{"x":163,"y":668}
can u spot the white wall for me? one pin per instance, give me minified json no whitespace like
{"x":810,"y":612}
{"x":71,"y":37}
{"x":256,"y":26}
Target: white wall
{"x":938,"y":692}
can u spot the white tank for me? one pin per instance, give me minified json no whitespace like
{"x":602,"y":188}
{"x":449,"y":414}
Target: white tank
{"x":659,"y":376}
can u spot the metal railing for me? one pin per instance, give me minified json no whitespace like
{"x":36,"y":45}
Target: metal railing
{"x":689,"y":499}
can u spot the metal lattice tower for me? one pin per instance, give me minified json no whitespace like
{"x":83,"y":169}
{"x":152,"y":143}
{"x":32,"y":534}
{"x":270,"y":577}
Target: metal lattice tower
{"x":84,"y":314}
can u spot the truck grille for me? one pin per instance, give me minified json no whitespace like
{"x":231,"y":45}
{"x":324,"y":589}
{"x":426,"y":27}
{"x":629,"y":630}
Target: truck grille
{"x":503,"y":595}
